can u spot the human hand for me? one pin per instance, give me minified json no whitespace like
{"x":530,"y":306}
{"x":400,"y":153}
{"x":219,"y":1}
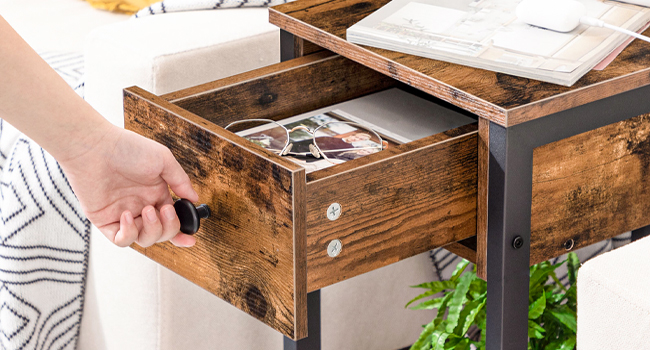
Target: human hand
{"x":121,"y":182}
{"x":120,"y":178}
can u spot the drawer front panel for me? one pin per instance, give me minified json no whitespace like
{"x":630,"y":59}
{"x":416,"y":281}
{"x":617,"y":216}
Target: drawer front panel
{"x":590,"y":187}
{"x":250,"y":252}
{"x":269,"y":217}
{"x":419,"y":196}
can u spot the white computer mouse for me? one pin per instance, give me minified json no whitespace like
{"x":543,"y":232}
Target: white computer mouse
{"x":558,"y":15}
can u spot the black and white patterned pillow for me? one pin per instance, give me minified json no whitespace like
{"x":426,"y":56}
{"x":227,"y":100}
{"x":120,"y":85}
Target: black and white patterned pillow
{"x":44,"y":239}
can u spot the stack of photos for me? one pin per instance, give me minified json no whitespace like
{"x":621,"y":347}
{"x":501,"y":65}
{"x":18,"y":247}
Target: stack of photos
{"x":341,"y":141}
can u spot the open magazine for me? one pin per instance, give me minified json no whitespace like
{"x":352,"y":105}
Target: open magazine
{"x":487,"y":34}
{"x":352,"y":141}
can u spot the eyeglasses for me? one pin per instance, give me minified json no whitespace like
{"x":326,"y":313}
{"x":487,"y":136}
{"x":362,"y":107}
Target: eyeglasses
{"x":335,"y":141}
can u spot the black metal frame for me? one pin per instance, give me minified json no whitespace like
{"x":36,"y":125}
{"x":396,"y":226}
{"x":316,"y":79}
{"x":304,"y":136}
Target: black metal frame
{"x":313,"y":340}
{"x":640,"y":233}
{"x":287,"y":46}
{"x":510,"y":200}
{"x":509,"y":206}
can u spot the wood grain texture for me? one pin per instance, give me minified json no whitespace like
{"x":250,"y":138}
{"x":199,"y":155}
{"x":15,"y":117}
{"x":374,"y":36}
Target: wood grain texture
{"x":590,"y":187}
{"x":194,"y":91}
{"x":303,"y":47}
{"x":389,"y":152}
{"x":504,"y":99}
{"x":298,"y":47}
{"x":282,"y":90}
{"x":250,"y":252}
{"x":299,"y":210}
{"x":309,"y":48}
{"x":421,"y":196}
{"x":482,"y":200}
{"x":466,"y":249}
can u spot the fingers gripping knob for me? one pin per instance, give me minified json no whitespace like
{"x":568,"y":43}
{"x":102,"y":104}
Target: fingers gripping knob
{"x":190,"y":216}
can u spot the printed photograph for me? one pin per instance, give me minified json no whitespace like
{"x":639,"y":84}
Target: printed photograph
{"x":334,"y":137}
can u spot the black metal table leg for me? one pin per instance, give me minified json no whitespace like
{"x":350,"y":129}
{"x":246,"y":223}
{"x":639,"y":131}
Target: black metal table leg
{"x":287,"y":50}
{"x":313,"y":340}
{"x":640,"y":233}
{"x":509,"y":205}
{"x":509,"y":202}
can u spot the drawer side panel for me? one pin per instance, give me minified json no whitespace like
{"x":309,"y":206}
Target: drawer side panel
{"x":393,"y":209}
{"x":250,"y":252}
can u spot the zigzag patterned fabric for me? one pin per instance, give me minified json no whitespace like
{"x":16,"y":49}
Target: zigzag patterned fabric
{"x":44,"y":240}
{"x":194,"y":5}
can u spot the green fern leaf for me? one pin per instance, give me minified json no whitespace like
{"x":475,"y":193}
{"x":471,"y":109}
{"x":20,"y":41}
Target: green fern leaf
{"x":459,"y":270}
{"x":535,"y":331}
{"x":573,"y":264}
{"x":565,"y":316}
{"x":428,"y":305}
{"x":424,"y":341}
{"x":468,"y":315}
{"x":536,"y":309}
{"x":459,"y":297}
{"x":435,"y":288}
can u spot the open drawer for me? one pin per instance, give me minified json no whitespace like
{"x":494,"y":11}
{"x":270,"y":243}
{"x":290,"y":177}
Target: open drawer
{"x":265,"y":244}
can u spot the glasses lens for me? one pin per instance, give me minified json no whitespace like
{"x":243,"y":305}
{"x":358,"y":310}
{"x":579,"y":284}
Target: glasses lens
{"x":346,"y":141}
{"x":265,"y":133}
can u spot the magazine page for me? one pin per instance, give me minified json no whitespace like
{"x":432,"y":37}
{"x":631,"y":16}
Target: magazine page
{"x":487,"y":34}
{"x":342,"y":137}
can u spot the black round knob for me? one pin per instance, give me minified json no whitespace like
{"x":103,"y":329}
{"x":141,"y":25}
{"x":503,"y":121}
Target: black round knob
{"x":190,"y":216}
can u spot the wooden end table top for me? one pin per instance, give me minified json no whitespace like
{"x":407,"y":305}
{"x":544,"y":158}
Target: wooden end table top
{"x":501,"y":98}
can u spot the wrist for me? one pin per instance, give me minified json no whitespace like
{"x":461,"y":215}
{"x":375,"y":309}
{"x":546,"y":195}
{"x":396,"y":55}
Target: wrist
{"x":84,"y":139}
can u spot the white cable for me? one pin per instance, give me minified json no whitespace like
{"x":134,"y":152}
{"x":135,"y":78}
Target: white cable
{"x":598,"y":23}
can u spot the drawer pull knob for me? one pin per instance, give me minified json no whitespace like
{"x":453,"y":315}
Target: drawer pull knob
{"x":190,"y":216}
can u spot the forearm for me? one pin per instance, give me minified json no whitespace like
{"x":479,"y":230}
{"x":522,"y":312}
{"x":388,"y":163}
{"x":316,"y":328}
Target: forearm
{"x":121,"y":179}
{"x":38,"y":102}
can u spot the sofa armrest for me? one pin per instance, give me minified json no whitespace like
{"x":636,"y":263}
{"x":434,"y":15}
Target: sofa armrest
{"x":170,"y":52}
{"x":613,"y":307}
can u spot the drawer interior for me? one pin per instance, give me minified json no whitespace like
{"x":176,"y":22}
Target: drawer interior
{"x":282,"y":90}
{"x":266,"y":245}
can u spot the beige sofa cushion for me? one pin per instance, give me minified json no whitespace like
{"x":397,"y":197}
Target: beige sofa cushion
{"x":613,"y":304}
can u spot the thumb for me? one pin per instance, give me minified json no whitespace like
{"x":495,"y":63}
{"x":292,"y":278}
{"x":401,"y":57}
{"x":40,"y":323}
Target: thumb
{"x":176,"y":178}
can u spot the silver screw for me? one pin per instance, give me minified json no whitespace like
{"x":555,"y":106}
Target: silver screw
{"x":334,"y":248}
{"x":334,"y":211}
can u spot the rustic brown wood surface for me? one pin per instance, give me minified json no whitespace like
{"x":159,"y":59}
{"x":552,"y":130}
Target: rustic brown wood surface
{"x":389,"y":152}
{"x":298,"y":47}
{"x":282,"y":90}
{"x":482,"y":200}
{"x":302,"y":47}
{"x":395,"y":204}
{"x":590,"y":187}
{"x":251,"y":251}
{"x":466,"y":249}
{"x":309,"y":48}
{"x":504,"y":99}
{"x":194,"y":91}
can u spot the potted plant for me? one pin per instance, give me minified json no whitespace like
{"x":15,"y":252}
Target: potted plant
{"x":461,"y":300}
